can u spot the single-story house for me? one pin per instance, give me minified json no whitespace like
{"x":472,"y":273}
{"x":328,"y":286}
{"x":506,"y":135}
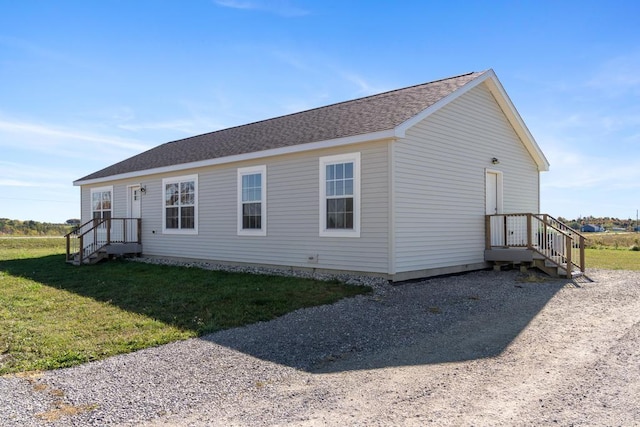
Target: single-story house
{"x":591,"y":228}
{"x":397,"y":184}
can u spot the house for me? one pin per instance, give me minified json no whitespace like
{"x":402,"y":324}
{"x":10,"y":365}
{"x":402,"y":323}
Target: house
{"x":591,"y":228}
{"x":397,"y":184}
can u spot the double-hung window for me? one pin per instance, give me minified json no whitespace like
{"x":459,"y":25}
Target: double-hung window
{"x":340,"y":195}
{"x":252,"y":201}
{"x":101,"y":206}
{"x":180,"y":204}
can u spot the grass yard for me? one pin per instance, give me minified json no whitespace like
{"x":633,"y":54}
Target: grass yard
{"x":613,"y":251}
{"x":612,"y":259}
{"x":54,"y":315}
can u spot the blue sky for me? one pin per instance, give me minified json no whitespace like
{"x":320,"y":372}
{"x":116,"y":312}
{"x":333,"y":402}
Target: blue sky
{"x":84,"y":84}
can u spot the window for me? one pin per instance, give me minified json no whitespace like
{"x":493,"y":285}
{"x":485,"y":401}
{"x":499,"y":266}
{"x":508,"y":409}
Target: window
{"x":180,"y":205}
{"x":101,"y":205}
{"x":252,"y":201}
{"x":340,"y":195}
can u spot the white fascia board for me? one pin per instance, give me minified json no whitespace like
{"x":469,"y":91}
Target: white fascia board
{"x":401,"y":129}
{"x":495,"y":87}
{"x":355,"y":139}
{"x":516,"y":121}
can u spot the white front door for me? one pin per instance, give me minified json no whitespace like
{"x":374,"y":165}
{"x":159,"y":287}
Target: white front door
{"x":493,"y":193}
{"x":134,"y":211}
{"x":134,"y":202}
{"x":493,"y":205}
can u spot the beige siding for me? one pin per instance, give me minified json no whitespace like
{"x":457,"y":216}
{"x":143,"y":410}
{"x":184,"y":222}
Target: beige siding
{"x":292,"y":215}
{"x":439,"y":186}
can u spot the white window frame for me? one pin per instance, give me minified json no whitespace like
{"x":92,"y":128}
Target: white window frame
{"x":178,"y":180}
{"x":253,"y":170}
{"x":331,"y":160}
{"x":100,"y":190}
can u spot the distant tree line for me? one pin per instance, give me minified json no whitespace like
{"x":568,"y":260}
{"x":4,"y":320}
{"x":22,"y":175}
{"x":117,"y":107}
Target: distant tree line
{"x":607,"y":222}
{"x":15,"y":227}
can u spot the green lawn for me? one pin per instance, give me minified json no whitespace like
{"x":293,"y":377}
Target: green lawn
{"x":54,"y":315}
{"x":612,"y":259}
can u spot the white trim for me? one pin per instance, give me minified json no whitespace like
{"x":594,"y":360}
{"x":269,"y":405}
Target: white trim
{"x":330,"y":143}
{"x":402,"y":128}
{"x":129,"y":194}
{"x":252,"y":170}
{"x":500,"y":95}
{"x":179,"y":179}
{"x":516,"y":121}
{"x":328,"y":160}
{"x":101,"y":190}
{"x":499,"y":190}
{"x":391,"y":170}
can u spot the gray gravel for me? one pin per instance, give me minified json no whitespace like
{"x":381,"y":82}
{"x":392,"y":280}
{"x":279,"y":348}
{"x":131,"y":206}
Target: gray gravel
{"x":485,"y":348}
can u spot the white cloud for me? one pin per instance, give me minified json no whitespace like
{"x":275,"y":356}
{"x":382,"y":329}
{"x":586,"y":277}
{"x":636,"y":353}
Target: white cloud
{"x":573,"y":169}
{"x":279,"y":7}
{"x":617,"y":76}
{"x":364,"y":87}
{"x":16,"y":183}
{"x":58,"y":134}
{"x":183,"y":126}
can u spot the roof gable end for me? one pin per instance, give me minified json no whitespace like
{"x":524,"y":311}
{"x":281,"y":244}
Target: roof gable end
{"x":509,"y":110}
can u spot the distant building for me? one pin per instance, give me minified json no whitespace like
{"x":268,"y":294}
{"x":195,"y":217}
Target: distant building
{"x":591,"y":228}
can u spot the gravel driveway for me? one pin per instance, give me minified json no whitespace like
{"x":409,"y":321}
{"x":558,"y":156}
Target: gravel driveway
{"x":485,"y":348}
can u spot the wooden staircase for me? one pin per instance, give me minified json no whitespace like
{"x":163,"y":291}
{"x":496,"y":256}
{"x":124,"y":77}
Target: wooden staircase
{"x":534,"y":240}
{"x":101,"y":239}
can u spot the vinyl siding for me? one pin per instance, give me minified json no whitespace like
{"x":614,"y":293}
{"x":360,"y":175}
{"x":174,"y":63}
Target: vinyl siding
{"x":292,"y":215}
{"x":439,"y":182}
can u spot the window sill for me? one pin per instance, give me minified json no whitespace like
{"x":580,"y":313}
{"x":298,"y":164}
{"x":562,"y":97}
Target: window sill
{"x":186,"y":232}
{"x":255,"y":233}
{"x":340,"y":233}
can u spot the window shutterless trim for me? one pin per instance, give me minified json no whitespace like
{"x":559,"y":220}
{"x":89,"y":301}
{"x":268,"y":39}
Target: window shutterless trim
{"x":353,"y":158}
{"x":178,"y":180}
{"x":253,"y":170}
{"x":104,"y":189}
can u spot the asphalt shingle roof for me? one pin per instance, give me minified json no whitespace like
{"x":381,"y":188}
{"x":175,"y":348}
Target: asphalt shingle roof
{"x":374,"y":113}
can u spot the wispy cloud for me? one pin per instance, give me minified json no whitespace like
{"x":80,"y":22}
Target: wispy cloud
{"x":16,"y":183}
{"x":619,"y":75}
{"x":364,"y":87}
{"x":28,"y":175}
{"x":278,"y":7}
{"x":574,"y":169}
{"x":31,"y":132}
{"x":191,"y":126}
{"x":34,"y":50}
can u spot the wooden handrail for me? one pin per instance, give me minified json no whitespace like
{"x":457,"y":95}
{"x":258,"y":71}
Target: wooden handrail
{"x":88,"y":245}
{"x":510,"y":234}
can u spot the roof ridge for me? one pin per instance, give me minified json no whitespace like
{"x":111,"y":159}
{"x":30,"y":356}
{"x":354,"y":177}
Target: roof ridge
{"x":325,"y":106}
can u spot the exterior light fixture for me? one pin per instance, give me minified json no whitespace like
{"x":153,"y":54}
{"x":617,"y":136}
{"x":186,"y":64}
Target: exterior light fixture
{"x":495,"y":161}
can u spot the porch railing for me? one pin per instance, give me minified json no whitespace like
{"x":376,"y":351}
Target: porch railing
{"x":88,"y":238}
{"x":542,"y":233}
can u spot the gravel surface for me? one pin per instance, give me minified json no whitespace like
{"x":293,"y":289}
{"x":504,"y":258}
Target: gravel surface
{"x":484,"y":348}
